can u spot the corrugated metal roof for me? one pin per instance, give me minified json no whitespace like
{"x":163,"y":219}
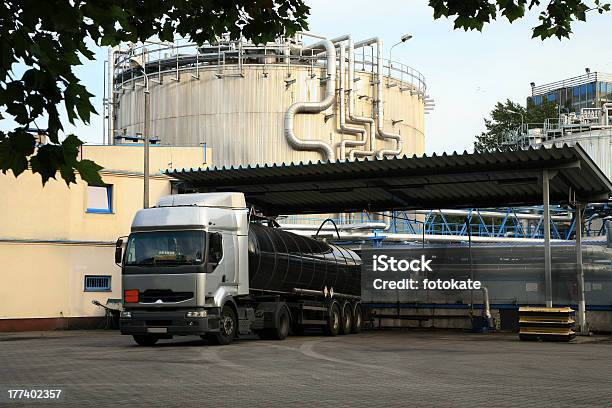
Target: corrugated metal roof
{"x":428,"y":182}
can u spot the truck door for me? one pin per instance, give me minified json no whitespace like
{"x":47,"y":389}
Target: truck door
{"x":221,"y":260}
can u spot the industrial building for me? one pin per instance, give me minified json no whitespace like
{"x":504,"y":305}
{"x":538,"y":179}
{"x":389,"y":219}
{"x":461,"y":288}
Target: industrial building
{"x":274,"y":110}
{"x":585,"y":111}
{"x":591,"y":90}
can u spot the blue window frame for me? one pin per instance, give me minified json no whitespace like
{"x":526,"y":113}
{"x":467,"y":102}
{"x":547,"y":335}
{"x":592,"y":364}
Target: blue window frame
{"x":551,"y":97}
{"x":100,"y":199}
{"x":97,"y":283}
{"x":537,"y":100}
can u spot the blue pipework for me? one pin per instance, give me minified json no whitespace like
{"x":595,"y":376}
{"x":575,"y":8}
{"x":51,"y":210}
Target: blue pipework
{"x":510,"y":225}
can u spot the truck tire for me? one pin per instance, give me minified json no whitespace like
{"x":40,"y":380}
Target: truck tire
{"x":227,"y":328}
{"x":281,"y":331}
{"x":346,"y":323}
{"x":332,"y":328}
{"x":145,"y":340}
{"x":357,"y":319}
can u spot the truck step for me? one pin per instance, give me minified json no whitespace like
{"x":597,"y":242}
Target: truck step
{"x":317,"y":308}
{"x":317,"y":322}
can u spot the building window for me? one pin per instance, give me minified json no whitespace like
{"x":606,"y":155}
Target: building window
{"x":97,"y":283}
{"x":100,"y":199}
{"x":537,"y":100}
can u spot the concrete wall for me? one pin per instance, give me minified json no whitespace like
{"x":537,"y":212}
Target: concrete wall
{"x":49,"y":242}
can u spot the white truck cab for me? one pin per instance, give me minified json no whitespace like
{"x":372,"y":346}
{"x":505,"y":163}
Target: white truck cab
{"x":185,"y":270}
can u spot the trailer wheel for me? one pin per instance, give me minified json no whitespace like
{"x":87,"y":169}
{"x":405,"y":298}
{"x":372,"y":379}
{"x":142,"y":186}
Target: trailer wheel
{"x":145,"y":341}
{"x":347,"y":319}
{"x":357,"y":319}
{"x":332,"y":328}
{"x":227,"y":328}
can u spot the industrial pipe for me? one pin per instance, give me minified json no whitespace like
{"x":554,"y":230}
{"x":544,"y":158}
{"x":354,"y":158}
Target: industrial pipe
{"x":315,"y":107}
{"x":495,"y":214}
{"x":606,"y":108}
{"x":376,"y":225}
{"x":486,"y":305}
{"x":379,"y":109}
{"x":344,"y":128}
{"x":400,"y":237}
{"x":351,"y":108}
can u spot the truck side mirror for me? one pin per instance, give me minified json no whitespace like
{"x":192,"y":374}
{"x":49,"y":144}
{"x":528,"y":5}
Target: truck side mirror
{"x":118,"y":251}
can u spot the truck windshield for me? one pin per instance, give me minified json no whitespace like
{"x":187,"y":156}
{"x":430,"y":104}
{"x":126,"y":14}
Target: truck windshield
{"x":165,"y":248}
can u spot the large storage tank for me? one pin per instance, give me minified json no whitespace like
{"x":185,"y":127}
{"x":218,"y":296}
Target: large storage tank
{"x":234,"y":97}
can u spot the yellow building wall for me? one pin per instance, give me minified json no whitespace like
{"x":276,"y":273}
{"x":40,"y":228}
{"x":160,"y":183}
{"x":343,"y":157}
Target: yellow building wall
{"x":49,"y":242}
{"x":47,"y":280}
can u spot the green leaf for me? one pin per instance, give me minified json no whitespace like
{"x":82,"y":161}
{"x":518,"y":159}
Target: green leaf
{"x":51,"y":38}
{"x":89,"y":172}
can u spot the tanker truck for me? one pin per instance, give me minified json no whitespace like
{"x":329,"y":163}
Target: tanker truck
{"x":200,"y":264}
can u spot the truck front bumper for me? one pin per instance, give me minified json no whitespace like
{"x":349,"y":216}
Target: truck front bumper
{"x":167,"y":323}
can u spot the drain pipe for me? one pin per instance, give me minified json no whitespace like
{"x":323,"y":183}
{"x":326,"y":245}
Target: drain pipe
{"x":379,"y":109}
{"x":361,"y":140}
{"x":351,"y":107}
{"x":315,"y":107}
{"x":487,"y":306}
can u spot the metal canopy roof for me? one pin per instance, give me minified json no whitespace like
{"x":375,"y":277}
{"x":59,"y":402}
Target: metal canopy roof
{"x":465,"y":180}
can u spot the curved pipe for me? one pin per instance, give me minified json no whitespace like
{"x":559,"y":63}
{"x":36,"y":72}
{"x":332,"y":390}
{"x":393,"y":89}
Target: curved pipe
{"x":323,"y":223}
{"x":315,"y":107}
{"x":351,"y":107}
{"x":379,"y":109}
{"x":344,"y":128}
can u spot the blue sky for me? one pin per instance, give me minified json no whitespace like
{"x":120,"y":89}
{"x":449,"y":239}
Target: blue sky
{"x":466,"y":73}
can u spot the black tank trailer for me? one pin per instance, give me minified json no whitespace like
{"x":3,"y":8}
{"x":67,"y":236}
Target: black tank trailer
{"x":282,"y":261}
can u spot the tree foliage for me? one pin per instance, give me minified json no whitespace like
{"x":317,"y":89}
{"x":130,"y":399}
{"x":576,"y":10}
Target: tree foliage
{"x":555,"y":19}
{"x":506,"y":118}
{"x":50,"y":38}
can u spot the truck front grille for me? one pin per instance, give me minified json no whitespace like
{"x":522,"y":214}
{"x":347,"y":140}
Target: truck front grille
{"x":158,"y":322}
{"x":165,"y":295}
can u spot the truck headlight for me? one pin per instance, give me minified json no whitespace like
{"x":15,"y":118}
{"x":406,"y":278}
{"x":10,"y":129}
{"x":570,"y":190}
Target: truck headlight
{"x":126,"y":315}
{"x":199,"y":313}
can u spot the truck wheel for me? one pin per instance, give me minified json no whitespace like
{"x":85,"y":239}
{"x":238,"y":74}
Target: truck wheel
{"x":333,"y":321}
{"x":357,"y":319}
{"x":281,"y":331}
{"x":347,"y":319}
{"x":282,"y":328}
{"x":145,"y":341}
{"x":227,"y":328}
